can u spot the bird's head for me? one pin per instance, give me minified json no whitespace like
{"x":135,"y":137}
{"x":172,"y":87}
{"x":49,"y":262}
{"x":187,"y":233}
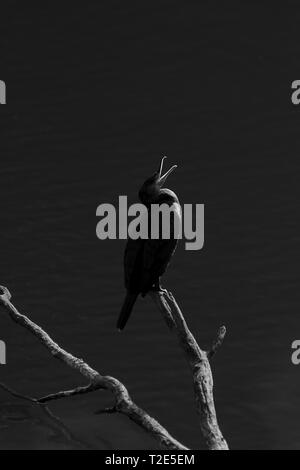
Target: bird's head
{"x":152,"y":187}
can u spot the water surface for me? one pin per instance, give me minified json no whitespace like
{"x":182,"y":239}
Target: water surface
{"x":96,"y":95}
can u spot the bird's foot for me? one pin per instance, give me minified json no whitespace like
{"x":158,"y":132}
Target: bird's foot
{"x":163,"y":291}
{"x":159,"y":289}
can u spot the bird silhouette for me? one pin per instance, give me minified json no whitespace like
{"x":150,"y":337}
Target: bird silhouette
{"x":146,"y":260}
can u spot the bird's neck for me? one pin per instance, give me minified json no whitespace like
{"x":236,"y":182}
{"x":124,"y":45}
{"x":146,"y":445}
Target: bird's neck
{"x":158,"y":196}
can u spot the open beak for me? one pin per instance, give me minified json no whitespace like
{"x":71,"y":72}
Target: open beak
{"x":162,"y":178}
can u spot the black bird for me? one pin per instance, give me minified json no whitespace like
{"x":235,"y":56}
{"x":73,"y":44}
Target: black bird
{"x":146,"y":260}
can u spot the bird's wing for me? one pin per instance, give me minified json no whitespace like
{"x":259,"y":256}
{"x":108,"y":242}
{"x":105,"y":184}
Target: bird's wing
{"x":133,"y":257}
{"x":146,"y":260}
{"x":157,"y":255}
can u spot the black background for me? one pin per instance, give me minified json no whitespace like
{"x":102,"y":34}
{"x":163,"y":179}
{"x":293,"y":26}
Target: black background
{"x":96,"y":93}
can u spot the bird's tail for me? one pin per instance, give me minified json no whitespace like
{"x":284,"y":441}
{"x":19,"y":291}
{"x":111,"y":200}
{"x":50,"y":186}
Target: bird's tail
{"x":127,"y":307}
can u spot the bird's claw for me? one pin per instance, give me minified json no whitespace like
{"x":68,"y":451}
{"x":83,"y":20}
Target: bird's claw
{"x":163,"y":291}
{"x":159,"y":290}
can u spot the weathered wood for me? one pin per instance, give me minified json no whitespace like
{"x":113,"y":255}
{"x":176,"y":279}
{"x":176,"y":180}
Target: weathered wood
{"x":198,"y":361}
{"x":123,"y":402}
{"x":197,"y":358}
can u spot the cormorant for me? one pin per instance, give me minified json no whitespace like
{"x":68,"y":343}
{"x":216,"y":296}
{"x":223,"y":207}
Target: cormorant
{"x":146,"y":260}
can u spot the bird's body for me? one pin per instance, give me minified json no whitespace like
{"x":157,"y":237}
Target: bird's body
{"x":146,"y":260}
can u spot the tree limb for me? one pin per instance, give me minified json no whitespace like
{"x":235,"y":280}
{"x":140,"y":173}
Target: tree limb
{"x":123,"y":401}
{"x":70,"y":393}
{"x":200,"y":367}
{"x":218,"y":342}
{"x":197,"y":358}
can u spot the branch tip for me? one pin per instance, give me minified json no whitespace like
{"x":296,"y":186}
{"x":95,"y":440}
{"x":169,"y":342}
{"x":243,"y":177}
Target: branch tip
{"x":218,"y":342}
{"x":4,"y":293}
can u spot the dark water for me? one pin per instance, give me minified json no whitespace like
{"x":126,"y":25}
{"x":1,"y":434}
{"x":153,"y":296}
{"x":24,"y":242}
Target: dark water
{"x":96,"y":94}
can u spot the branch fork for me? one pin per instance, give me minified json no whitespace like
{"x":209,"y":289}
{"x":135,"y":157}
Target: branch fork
{"x":197,"y":358}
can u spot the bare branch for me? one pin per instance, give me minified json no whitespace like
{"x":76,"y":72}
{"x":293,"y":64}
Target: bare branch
{"x":124,"y":403}
{"x":159,"y":299}
{"x":218,"y":342}
{"x":201,"y":371}
{"x":70,"y":393}
{"x":54,"y":349}
{"x":186,"y":338}
{"x":197,"y":359}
